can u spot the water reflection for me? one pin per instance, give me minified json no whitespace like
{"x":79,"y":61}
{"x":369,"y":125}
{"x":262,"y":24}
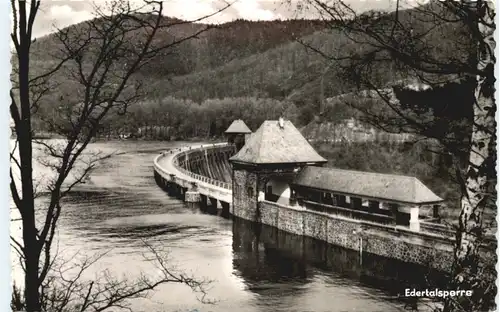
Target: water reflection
{"x":254,"y":268}
{"x":263,"y":255}
{"x":258,"y":257}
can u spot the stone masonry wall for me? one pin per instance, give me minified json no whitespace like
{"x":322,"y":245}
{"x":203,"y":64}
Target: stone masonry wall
{"x":424,"y":248}
{"x":415,"y":248}
{"x":269,"y":215}
{"x":246,"y":188}
{"x":245,"y":204}
{"x":289,"y":220}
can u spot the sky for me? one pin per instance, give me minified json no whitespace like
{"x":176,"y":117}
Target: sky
{"x":61,"y":13}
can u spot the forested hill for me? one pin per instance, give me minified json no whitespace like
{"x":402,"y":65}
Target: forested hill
{"x":210,"y":49}
{"x":244,"y":60}
{"x":255,"y":70}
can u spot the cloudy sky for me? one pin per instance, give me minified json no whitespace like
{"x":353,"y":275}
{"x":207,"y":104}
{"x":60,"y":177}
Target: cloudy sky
{"x":65,"y":12}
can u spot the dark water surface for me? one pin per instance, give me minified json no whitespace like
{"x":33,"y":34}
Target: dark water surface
{"x":253,"y":268}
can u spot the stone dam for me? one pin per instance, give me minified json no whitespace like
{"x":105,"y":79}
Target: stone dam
{"x":212,"y":163}
{"x":220,"y":177}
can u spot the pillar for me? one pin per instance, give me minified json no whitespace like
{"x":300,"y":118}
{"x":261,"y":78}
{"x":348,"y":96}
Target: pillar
{"x":170,"y":188}
{"x":414,"y":219}
{"x":341,"y":200}
{"x":373,"y":205}
{"x":334,"y":200}
{"x":213,"y":205}
{"x":203,"y":202}
{"x":182,"y":192}
{"x":435,"y":211}
{"x":213,"y":202}
{"x":328,"y":199}
{"x":178,"y":191}
{"x":191,"y":196}
{"x":225,"y":209}
{"x":293,"y":198}
{"x":261,"y":196}
{"x":318,"y":197}
{"x":394,"y":211}
{"x":356,"y":203}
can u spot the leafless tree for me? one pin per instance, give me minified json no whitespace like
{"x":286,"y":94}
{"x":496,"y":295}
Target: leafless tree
{"x":99,"y":59}
{"x":66,"y":290}
{"x":437,"y":45}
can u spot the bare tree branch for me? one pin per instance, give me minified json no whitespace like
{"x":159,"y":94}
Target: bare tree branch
{"x":101,"y":58}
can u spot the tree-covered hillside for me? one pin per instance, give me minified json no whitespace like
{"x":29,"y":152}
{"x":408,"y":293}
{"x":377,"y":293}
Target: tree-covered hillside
{"x":209,"y":49}
{"x":255,"y":70}
{"x":258,"y":59}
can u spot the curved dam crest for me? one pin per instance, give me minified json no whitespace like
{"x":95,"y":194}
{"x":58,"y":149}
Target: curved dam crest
{"x":205,"y":170}
{"x":212,"y":163}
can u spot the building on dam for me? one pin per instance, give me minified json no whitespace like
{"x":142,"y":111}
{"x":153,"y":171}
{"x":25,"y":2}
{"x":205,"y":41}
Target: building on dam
{"x":278,"y":165}
{"x":275,"y":177}
{"x":237,"y":133}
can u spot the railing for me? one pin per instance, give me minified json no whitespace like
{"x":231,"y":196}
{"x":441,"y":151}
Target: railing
{"x":205,"y":179}
{"x":196,"y":176}
{"x":426,"y":228}
{"x":429,"y":226}
{"x":368,"y":225}
{"x":350,"y":213}
{"x":433,"y":220}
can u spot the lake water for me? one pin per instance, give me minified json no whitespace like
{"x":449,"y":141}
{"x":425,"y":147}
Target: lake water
{"x":252,"y":268}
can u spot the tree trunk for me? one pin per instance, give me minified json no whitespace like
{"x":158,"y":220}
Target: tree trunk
{"x":31,"y":278}
{"x":32,"y":250}
{"x":477,"y":193}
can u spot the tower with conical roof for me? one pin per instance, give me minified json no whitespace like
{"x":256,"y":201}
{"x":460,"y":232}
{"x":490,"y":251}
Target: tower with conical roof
{"x":270,"y":158}
{"x":237,"y":133}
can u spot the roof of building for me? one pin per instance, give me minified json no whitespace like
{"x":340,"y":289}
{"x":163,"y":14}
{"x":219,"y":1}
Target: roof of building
{"x":238,"y":126}
{"x":390,"y":187}
{"x":273,"y":143}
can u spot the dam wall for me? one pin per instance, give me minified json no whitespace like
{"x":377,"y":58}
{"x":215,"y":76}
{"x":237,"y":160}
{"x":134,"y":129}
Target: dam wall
{"x":171,"y":175}
{"x":430,"y":246}
{"x":322,"y":255}
{"x":378,"y":239}
{"x":429,"y":249}
{"x":212,"y":163}
{"x":207,"y":167}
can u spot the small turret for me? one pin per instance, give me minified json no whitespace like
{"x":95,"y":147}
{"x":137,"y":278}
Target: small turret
{"x":237,"y":133}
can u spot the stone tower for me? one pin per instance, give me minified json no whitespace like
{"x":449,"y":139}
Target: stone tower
{"x":237,"y":133}
{"x":277,"y":150}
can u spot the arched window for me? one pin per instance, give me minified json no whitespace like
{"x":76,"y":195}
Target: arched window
{"x":250,"y":191}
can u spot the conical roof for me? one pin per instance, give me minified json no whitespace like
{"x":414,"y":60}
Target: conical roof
{"x":273,"y":143}
{"x":238,"y":126}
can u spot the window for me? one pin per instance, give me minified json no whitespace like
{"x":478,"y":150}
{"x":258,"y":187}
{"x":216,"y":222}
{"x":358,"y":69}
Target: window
{"x":250,"y":191}
{"x":269,"y":189}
